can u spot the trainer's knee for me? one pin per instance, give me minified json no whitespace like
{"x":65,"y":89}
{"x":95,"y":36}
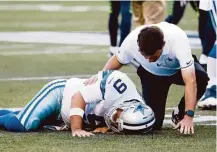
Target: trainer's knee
{"x":158,"y":125}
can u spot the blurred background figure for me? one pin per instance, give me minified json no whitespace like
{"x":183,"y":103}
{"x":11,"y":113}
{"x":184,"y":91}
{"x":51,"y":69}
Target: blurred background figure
{"x":148,"y":12}
{"x":209,"y":100}
{"x":116,"y":8}
{"x":205,"y":29}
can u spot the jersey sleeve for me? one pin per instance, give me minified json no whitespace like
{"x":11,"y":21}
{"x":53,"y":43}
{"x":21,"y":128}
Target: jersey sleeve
{"x":124,"y":55}
{"x":181,"y":45}
{"x":91,"y":93}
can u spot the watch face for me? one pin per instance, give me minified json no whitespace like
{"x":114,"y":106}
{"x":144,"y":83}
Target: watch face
{"x":190,"y":113}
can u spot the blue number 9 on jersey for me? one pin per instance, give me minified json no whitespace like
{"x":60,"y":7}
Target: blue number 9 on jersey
{"x":120,"y":86}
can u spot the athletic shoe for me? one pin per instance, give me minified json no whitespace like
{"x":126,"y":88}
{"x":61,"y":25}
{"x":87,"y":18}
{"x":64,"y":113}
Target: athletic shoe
{"x":176,"y":117}
{"x":208,"y":100}
{"x":112,"y":51}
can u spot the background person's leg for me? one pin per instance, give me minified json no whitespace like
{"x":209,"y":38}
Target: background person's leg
{"x":176,"y":12}
{"x":126,"y":17}
{"x":209,"y":101}
{"x":207,"y":35}
{"x":113,"y":21}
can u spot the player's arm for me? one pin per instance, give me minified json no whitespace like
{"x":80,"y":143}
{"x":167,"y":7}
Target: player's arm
{"x":76,"y":116}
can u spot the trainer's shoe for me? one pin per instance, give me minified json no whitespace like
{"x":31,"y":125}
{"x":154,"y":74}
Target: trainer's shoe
{"x":208,"y":100}
{"x":176,"y":117}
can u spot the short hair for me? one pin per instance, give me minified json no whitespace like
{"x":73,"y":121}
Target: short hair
{"x":150,"y":39}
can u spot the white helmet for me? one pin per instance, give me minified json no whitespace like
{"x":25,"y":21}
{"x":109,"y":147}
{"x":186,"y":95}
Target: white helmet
{"x":136,"y":117}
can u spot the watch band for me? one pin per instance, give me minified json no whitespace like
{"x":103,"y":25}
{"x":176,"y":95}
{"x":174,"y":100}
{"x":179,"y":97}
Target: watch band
{"x":190,"y":113}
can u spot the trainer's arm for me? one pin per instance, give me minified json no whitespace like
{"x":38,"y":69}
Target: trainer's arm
{"x":113,"y":64}
{"x":76,"y":120}
{"x":190,"y":88}
{"x":186,"y":124}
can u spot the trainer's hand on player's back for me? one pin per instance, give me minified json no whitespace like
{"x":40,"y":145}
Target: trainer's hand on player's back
{"x":91,"y":80}
{"x":81,"y":133}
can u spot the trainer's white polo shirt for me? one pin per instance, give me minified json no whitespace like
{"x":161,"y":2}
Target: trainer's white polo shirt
{"x":176,"y":52}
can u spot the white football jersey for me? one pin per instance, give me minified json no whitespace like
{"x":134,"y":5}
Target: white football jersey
{"x":176,"y":52}
{"x":112,"y":87}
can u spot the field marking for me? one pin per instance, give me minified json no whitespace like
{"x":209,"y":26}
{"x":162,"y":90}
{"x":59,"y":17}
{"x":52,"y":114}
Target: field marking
{"x":45,"y":78}
{"x":52,"y":8}
{"x":76,"y":38}
{"x":51,"y":51}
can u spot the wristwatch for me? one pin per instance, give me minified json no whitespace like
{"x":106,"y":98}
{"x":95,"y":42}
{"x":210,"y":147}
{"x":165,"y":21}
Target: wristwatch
{"x":190,"y":113}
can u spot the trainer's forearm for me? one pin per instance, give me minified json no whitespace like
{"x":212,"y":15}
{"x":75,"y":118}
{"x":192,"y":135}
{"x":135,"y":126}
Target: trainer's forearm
{"x":112,"y":64}
{"x":190,"y":95}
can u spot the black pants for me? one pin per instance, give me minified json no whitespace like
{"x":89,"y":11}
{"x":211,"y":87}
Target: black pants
{"x":155,"y":90}
{"x":118,"y":7}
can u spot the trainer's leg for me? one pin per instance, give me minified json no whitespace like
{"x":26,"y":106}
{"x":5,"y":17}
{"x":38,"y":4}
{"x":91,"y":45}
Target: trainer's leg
{"x":45,"y":104}
{"x":125,"y":20}
{"x":155,"y":90}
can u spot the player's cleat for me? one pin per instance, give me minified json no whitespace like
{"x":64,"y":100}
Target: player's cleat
{"x":176,"y":117}
{"x":208,"y":100}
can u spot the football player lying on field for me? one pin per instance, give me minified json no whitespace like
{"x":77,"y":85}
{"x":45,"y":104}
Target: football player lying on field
{"x":113,"y":99}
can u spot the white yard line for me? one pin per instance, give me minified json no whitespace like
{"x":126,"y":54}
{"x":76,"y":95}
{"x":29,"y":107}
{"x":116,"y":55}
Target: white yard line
{"x":44,"y":78}
{"x":52,"y":8}
{"x":49,"y":51}
{"x":76,"y":38}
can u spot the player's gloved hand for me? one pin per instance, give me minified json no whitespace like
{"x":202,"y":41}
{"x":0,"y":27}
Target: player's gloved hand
{"x":186,"y":125}
{"x":81,"y":133}
{"x":183,"y":3}
{"x":91,"y":80}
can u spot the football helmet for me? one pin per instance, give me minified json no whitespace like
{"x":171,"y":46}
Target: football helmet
{"x":136,"y":117}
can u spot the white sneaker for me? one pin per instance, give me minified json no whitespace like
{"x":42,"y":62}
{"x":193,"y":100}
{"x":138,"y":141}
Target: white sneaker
{"x":208,"y":103}
{"x":203,"y":59}
{"x":208,"y":100}
{"x":112,"y":51}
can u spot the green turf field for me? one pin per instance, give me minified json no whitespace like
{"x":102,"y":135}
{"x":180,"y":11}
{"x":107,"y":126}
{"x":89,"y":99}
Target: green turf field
{"x":17,"y":64}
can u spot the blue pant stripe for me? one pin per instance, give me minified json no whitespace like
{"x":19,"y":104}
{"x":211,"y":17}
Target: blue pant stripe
{"x":212,"y":19}
{"x":39,"y":101}
{"x":37,"y":97}
{"x":214,"y":5}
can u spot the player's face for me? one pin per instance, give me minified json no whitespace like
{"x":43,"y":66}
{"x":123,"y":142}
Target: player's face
{"x":155,"y":56}
{"x":116,"y":116}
